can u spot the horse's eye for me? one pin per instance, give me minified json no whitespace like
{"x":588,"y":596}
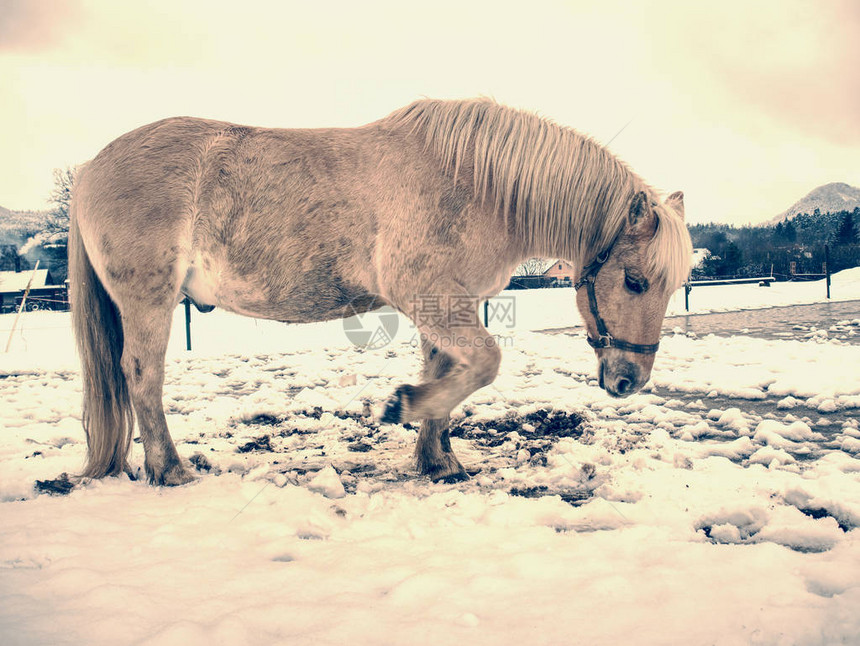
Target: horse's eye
{"x":635,"y":285}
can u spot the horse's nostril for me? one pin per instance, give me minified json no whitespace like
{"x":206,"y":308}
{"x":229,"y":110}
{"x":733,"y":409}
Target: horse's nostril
{"x":623,"y":386}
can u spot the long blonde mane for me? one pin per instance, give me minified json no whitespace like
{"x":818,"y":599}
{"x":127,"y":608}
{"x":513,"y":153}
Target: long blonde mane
{"x":560,"y":191}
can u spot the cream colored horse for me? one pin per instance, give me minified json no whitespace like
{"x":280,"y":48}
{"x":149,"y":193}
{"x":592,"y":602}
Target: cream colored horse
{"x":441,"y":197}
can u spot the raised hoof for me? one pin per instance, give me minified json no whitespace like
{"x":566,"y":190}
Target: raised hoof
{"x":172,"y":476}
{"x":394,"y":407}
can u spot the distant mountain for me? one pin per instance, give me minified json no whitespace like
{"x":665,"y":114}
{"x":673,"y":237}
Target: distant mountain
{"x":830,"y":198}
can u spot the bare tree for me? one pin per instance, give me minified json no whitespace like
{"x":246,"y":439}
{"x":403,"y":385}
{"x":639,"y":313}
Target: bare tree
{"x":61,"y":198}
{"x":55,"y":227}
{"x":50,"y":241}
{"x":532,"y":267}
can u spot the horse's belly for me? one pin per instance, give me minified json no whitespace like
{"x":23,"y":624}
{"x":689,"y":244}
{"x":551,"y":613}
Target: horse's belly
{"x":305,"y":297}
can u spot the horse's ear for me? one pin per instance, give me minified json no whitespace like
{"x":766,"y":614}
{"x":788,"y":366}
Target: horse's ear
{"x":640,"y":211}
{"x":676,"y":201}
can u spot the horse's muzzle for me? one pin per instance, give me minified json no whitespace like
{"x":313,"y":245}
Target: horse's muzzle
{"x":619,"y":377}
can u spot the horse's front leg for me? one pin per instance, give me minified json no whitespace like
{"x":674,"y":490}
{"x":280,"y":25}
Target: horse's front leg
{"x":433,"y":453}
{"x":476,"y":364}
{"x":471,"y":361}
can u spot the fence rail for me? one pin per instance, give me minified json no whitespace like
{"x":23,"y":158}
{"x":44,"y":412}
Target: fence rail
{"x":763,"y":281}
{"x":731,"y":281}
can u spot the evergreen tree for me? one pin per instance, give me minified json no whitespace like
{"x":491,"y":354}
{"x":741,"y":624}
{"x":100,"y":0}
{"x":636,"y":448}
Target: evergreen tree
{"x":779,"y":231}
{"x":10,"y":260}
{"x":732,"y":259}
{"x":847,"y":232}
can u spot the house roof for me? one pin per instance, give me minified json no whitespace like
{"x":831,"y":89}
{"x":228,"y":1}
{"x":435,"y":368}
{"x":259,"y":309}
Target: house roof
{"x":556,"y":262}
{"x":16,"y":281}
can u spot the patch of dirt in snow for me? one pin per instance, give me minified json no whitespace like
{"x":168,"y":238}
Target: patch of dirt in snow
{"x":59,"y":486}
{"x":366,"y":453}
{"x":821,"y":512}
{"x":541,"y":428}
{"x":571,"y":496}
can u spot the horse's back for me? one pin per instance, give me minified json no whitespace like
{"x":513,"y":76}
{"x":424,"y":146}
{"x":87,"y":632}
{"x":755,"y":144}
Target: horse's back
{"x":266,"y":222}
{"x":291,"y":224}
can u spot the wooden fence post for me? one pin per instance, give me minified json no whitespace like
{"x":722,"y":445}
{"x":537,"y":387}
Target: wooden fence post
{"x":21,"y":308}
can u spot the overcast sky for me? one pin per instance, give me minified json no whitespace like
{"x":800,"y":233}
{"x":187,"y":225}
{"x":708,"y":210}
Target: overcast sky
{"x":746,"y":106}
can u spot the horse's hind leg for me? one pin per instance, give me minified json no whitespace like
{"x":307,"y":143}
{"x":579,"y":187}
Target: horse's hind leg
{"x":433,"y":452}
{"x":146,"y":330}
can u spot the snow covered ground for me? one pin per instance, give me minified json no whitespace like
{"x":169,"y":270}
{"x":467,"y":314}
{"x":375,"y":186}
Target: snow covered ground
{"x":665,"y":518}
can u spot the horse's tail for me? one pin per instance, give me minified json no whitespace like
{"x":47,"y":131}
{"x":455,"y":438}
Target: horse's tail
{"x":107,"y":414}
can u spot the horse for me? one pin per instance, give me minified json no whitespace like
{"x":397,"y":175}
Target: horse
{"x":305,"y":225}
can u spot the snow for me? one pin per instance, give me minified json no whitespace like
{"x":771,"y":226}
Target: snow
{"x":327,"y":482}
{"x":718,"y":506}
{"x":17,"y":281}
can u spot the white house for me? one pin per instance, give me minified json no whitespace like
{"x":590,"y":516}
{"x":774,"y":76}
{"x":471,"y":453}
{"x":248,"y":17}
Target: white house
{"x":699,"y":256}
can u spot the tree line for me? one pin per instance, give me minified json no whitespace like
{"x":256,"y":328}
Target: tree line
{"x":795,"y":246}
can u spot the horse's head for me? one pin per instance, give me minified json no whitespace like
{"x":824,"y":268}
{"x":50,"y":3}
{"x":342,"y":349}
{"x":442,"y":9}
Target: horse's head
{"x":623,"y":293}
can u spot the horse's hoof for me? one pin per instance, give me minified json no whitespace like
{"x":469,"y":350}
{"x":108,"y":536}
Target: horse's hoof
{"x":452,"y":478}
{"x":174,"y":475}
{"x":448,"y":471}
{"x":394,"y":407}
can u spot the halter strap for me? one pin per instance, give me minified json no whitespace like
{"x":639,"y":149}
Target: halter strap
{"x":604,"y":338}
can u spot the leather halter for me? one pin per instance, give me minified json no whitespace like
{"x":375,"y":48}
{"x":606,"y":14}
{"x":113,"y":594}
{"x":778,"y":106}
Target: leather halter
{"x":604,"y":338}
